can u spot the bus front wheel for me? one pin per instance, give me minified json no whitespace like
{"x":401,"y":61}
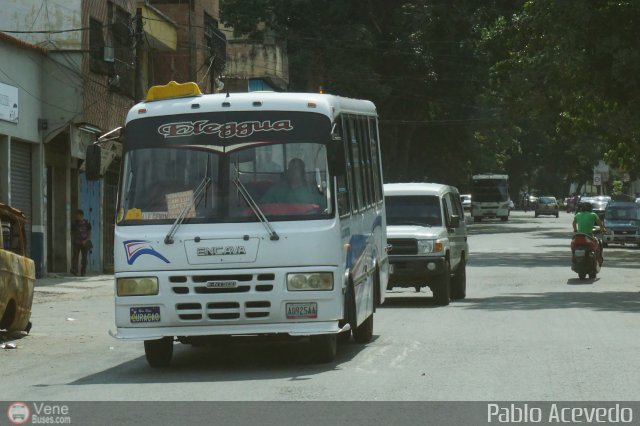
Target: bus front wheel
{"x":159,"y":352}
{"x":324,"y":347}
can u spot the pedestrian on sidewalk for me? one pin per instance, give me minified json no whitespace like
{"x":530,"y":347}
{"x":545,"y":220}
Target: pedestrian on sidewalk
{"x":81,"y":238}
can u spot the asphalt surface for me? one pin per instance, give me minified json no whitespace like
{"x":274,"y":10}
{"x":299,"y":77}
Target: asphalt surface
{"x":528,"y":330}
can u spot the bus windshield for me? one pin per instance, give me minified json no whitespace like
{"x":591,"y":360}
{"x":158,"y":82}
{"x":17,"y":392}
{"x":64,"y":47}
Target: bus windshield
{"x":489,"y":190}
{"x":288,"y":181}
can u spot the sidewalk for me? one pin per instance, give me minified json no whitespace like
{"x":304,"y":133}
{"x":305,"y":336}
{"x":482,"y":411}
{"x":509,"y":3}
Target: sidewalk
{"x":53,"y":279}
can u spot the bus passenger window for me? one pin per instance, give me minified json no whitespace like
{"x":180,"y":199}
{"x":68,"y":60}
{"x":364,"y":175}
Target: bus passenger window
{"x":343,"y":195}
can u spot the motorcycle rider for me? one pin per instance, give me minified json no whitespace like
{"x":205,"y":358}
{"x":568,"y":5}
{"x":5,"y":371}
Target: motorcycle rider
{"x":584,"y":221}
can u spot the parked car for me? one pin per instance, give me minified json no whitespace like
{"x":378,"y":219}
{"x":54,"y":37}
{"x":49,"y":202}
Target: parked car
{"x":17,"y":272}
{"x":466,"y":201}
{"x":427,"y":236}
{"x":622,"y":223}
{"x":547,"y":206}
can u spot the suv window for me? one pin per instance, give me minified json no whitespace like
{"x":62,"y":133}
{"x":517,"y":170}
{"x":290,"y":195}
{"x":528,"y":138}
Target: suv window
{"x":453,"y":207}
{"x":421,"y":210}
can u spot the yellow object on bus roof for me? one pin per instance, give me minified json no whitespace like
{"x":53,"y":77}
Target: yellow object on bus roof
{"x":172,"y":90}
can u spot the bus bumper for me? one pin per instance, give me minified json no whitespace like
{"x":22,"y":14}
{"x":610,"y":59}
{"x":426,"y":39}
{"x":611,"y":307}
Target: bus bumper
{"x":292,"y":329}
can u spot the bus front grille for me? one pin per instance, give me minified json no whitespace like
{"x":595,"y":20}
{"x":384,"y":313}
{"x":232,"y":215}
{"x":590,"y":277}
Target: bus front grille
{"x":215,"y":294}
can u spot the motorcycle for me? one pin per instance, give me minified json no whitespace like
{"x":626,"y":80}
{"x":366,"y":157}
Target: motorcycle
{"x":586,"y":255}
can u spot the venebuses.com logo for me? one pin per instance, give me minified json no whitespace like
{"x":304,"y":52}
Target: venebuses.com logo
{"x":18,"y":413}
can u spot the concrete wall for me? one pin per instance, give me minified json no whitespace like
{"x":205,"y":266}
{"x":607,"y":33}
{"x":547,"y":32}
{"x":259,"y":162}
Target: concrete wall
{"x":247,"y":60}
{"x":43,"y":15}
{"x":188,"y":63}
{"x":22,"y":68}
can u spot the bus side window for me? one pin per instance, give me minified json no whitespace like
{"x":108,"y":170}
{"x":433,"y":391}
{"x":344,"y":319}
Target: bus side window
{"x":356,"y":166}
{"x":339,"y":169}
{"x":343,"y":195}
{"x":375,"y":159}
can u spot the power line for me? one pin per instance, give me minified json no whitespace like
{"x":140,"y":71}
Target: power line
{"x":45,"y":31}
{"x":34,"y":96}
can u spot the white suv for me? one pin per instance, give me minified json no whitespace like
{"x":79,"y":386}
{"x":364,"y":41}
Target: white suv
{"x":427,"y":236}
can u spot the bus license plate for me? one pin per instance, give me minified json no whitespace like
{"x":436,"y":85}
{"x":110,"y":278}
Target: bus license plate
{"x":302,"y":310}
{"x":144,"y":314}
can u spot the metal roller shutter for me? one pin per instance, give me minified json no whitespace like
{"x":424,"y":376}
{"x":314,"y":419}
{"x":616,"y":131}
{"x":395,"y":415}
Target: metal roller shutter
{"x":21,"y":182}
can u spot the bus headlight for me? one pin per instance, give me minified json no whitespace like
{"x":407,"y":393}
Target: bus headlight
{"x":429,"y":246}
{"x":143,"y":286}
{"x":310,"y":281}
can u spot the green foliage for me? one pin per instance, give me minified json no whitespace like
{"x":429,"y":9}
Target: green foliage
{"x":540,"y":89}
{"x":566,"y":73}
{"x":617,"y":187}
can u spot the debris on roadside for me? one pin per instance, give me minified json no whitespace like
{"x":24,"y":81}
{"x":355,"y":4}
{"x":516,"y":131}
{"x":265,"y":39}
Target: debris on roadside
{"x":8,"y":345}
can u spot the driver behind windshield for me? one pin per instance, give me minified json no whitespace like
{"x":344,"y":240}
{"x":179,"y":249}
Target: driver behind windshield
{"x":295,"y":188}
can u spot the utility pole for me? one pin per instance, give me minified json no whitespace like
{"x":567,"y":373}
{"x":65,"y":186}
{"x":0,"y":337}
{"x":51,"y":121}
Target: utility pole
{"x":138,"y":37}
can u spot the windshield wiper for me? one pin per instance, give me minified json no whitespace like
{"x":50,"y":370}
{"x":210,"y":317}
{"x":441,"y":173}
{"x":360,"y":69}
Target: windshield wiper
{"x":273,"y":236}
{"x":196,"y":195}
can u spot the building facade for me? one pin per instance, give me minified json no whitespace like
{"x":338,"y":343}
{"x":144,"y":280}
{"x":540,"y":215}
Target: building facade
{"x":73,"y":71}
{"x":201,"y":54}
{"x":21,"y":137}
{"x":256,"y":65}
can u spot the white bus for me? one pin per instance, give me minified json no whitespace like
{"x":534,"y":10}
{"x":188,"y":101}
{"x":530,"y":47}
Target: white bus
{"x":490,"y":196}
{"x":216,"y":236}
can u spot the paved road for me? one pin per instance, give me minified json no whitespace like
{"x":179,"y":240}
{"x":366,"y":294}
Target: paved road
{"x":528,"y":330}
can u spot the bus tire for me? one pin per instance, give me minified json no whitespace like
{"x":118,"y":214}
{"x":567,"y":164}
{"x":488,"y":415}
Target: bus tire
{"x":159,"y":352}
{"x":324,"y":347}
{"x":377,"y":296}
{"x":364,"y":332}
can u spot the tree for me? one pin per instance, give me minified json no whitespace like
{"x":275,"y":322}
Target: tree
{"x":416,"y":60}
{"x":564,"y":75}
{"x":540,"y":89}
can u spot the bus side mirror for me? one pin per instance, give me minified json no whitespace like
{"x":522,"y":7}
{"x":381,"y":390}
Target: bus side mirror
{"x":92,"y":162}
